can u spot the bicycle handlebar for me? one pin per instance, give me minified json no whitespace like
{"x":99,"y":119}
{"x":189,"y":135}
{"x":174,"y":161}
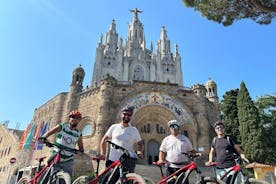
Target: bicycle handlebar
{"x":237,"y":162}
{"x":50,"y":145}
{"x":116,"y":146}
{"x":131,"y":154}
{"x":192,"y":155}
{"x":211,"y":164}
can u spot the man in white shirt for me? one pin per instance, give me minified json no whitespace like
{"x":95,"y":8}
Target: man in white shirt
{"x":124,"y":135}
{"x":173,"y":146}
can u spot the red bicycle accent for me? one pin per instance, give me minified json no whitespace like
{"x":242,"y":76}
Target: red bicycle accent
{"x":181,"y":175}
{"x":236,"y":169}
{"x":115,"y":167}
{"x":45,"y":174}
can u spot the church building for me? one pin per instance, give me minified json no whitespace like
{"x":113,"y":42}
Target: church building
{"x":129,"y":73}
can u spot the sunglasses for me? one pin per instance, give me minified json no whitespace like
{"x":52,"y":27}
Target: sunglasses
{"x":127,"y":114}
{"x":174,"y":126}
{"x":220,"y":128}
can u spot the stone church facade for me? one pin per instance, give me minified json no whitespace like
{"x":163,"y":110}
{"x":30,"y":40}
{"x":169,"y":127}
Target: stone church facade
{"x":130,"y":74}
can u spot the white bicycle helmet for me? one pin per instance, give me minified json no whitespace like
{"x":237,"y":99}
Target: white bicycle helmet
{"x":173,"y":122}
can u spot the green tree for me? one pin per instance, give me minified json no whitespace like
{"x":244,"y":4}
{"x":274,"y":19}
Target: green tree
{"x":267,"y":110}
{"x":228,"y":11}
{"x":229,"y":111}
{"x":251,"y":128}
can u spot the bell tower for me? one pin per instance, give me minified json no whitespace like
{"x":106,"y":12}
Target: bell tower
{"x":211,"y":93}
{"x":77,"y":79}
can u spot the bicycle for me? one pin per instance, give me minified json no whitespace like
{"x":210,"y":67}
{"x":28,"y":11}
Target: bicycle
{"x":47,"y":175}
{"x":236,"y":169}
{"x":188,"y":174}
{"x":110,"y":173}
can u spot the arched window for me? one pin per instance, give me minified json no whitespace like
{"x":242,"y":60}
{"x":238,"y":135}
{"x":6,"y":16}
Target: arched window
{"x":87,"y":130}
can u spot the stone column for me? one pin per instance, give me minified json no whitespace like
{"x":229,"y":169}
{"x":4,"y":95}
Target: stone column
{"x":106,"y":111}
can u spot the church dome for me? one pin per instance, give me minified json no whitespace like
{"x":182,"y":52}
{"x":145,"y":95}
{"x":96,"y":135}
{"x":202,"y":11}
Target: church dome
{"x":79,"y":70}
{"x":210,"y":82}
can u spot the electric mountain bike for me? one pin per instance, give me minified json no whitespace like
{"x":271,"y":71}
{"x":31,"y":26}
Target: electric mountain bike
{"x":188,"y":174}
{"x":47,"y":175}
{"x":110,"y":174}
{"x":231,"y":175}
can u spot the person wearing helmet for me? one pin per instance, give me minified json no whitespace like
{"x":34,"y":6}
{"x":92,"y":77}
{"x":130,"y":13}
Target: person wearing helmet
{"x":124,"y":135}
{"x":68,"y":136}
{"x":224,"y":147}
{"x":173,"y":146}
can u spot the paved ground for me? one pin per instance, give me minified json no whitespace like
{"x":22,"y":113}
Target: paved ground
{"x":153,"y":172}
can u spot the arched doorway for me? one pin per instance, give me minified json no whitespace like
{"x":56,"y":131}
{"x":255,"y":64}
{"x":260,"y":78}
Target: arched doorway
{"x":152,"y":151}
{"x":151,"y":114}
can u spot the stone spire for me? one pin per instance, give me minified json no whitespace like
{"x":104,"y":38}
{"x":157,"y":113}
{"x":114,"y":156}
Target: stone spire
{"x":136,"y":38}
{"x":111,"y":40}
{"x":100,"y":43}
{"x":176,"y":53}
{"x":164,"y":43}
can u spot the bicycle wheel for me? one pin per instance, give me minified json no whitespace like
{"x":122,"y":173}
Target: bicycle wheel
{"x":24,"y":180}
{"x":187,"y":177}
{"x":132,"y":178}
{"x":81,"y":180}
{"x":256,"y":181}
{"x":61,"y":177}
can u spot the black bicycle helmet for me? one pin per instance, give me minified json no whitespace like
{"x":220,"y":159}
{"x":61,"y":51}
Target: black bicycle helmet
{"x":128,"y":109}
{"x":219,"y":122}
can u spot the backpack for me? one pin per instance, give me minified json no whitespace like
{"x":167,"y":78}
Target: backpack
{"x":230,"y":143}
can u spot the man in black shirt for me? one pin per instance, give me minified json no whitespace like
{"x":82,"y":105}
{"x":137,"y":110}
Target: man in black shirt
{"x":223,"y":147}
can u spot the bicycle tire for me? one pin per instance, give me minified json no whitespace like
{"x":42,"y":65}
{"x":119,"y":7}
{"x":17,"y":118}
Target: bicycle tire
{"x":207,"y":180}
{"x":132,"y":178}
{"x":24,"y":180}
{"x":81,"y":180}
{"x":190,"y":177}
{"x":61,"y":177}
{"x":257,"y":181}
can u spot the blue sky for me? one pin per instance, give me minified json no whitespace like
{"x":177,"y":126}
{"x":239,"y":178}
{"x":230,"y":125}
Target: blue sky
{"x":42,"y":41}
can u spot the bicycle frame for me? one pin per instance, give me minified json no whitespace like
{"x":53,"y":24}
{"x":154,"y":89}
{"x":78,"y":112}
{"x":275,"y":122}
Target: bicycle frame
{"x":47,"y":169}
{"x":113,"y":165}
{"x":236,"y":168}
{"x":187,"y":168}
